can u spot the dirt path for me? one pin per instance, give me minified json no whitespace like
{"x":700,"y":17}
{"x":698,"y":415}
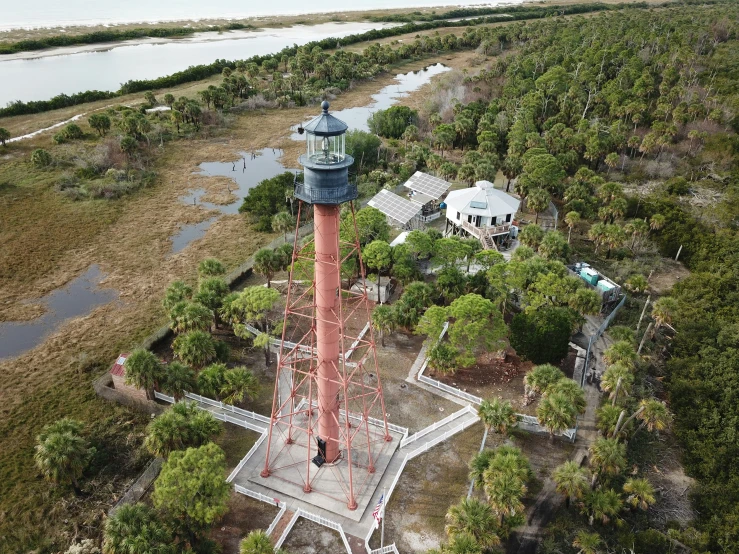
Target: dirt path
{"x":538,"y":515}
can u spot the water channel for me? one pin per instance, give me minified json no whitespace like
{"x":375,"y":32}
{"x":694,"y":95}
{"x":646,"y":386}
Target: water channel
{"x":252,"y":168}
{"x":67,"y":71}
{"x":356,"y":118}
{"x":77,"y":298}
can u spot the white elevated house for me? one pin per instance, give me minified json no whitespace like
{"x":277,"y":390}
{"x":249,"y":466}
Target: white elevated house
{"x":483,"y":212}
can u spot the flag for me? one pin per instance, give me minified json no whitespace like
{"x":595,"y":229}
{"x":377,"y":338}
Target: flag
{"x":379,"y":511}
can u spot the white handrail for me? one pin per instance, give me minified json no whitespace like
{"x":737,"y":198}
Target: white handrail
{"x":249,"y":454}
{"x":434,"y":426}
{"x":287,"y":530}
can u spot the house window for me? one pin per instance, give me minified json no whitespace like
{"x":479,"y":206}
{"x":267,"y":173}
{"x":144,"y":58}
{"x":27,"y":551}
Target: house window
{"x":493,"y":220}
{"x":469,"y":218}
{"x":478,"y":220}
{"x":508,"y":218}
{"x":459,"y":216}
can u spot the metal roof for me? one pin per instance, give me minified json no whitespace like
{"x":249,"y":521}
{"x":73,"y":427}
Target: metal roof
{"x":482,"y":199}
{"x":394,"y":206}
{"x":427,"y":184}
{"x":118,"y":368}
{"x":326,"y":125}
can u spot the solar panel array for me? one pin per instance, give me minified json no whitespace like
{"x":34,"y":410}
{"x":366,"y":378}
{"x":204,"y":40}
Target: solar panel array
{"x":394,"y":206}
{"x":426,"y":184}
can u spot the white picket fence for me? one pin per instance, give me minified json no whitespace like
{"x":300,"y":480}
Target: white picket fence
{"x":268,"y":500}
{"x":226,"y":408}
{"x":317,"y":519}
{"x":245,"y":459}
{"x":431,"y":428}
{"x":385,"y":550}
{"x":446,"y":388}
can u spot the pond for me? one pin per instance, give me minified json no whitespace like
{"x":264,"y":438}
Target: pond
{"x":356,"y":118}
{"x":250,"y":169}
{"x":77,"y":298}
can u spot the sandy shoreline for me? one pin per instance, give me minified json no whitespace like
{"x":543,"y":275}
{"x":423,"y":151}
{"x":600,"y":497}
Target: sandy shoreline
{"x":354,"y":14}
{"x":103,"y":46}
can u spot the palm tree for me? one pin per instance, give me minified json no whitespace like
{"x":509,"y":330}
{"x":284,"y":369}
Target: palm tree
{"x":663,"y":311}
{"x":572,"y":219}
{"x":656,"y":222}
{"x":602,"y":505}
{"x":540,"y":378}
{"x":509,"y":460}
{"x":182,"y":426}
{"x":597,"y":234}
{"x":282,"y":222}
{"x":641,"y":493}
{"x":654,"y":415}
{"x":463,"y":543}
{"x":614,"y":237}
{"x":617,"y":379}
{"x":497,"y":415}
{"x":479,"y":464}
{"x":571,"y":481}
{"x":620,"y":352}
{"x":239,"y":383}
{"x":267,"y":262}
{"x":210,"y":267}
{"x":607,"y":457}
{"x":176,"y":292}
{"x":62,"y":454}
{"x":190,"y":316}
{"x":572,"y":391}
{"x":143,"y":370}
{"x":195,"y":348}
{"x":587,"y":543}
{"x":637,"y":228}
{"x":608,"y":418}
{"x":538,"y":200}
{"x":256,"y":542}
{"x":476,"y":518}
{"x":383,"y":320}
{"x":211,"y":380}
{"x":167,"y":433}
{"x":505,"y":492}
{"x":178,"y":379}
{"x":136,"y":529}
{"x":557,"y":413}
{"x":4,"y":136}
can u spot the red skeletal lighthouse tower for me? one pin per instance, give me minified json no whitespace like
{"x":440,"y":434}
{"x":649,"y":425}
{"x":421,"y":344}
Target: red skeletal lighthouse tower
{"x":328,"y":425}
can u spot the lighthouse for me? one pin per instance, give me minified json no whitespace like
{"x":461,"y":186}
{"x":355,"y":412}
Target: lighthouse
{"x":328,"y":425}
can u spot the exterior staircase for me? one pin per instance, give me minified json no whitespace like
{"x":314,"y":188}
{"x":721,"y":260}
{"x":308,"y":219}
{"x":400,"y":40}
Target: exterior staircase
{"x":488,"y":243}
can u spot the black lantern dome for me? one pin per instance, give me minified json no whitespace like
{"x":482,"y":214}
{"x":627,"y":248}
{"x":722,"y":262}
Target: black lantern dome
{"x":326,"y":162}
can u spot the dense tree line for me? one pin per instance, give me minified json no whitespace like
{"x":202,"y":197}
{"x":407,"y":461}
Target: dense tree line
{"x":272,"y":61}
{"x":110,"y":35}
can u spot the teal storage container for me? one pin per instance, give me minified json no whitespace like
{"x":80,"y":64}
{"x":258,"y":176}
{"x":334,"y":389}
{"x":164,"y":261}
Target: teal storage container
{"x":589,"y":276}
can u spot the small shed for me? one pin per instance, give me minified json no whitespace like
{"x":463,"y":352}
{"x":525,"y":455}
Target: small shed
{"x":386,"y":288}
{"x":118,"y":372}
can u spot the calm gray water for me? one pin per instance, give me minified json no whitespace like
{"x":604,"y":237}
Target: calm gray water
{"x":42,"y":78}
{"x":356,"y":118}
{"x":52,"y":13}
{"x":78,"y":298}
{"x":247,"y":171}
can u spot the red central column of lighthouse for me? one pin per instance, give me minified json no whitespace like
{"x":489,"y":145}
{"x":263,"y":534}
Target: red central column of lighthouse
{"x":326,"y":226}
